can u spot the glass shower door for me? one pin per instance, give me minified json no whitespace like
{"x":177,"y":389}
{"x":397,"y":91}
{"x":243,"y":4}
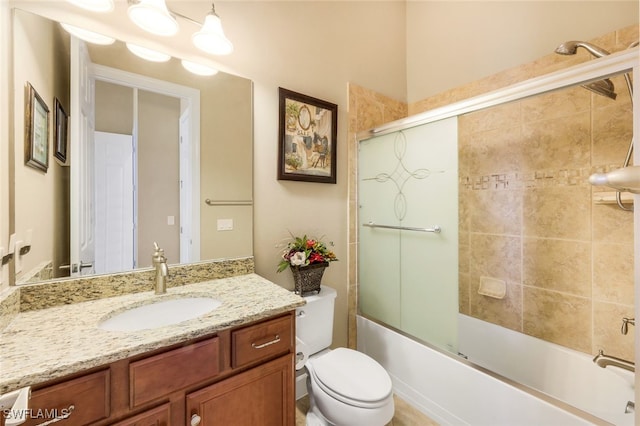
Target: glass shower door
{"x":408,"y":191}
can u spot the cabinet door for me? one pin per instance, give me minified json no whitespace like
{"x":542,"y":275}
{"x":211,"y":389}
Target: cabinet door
{"x":158,"y":416}
{"x":260,"y":396}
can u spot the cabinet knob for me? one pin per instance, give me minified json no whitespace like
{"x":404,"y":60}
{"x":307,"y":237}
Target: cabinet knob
{"x":195,"y":420}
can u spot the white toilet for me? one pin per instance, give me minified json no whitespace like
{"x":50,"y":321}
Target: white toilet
{"x":345,"y":387}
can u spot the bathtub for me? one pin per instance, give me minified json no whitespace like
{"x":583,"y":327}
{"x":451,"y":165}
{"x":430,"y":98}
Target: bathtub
{"x":453,"y":392}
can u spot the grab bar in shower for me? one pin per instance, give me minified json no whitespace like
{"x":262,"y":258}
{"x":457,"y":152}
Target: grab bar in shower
{"x":436,"y":229}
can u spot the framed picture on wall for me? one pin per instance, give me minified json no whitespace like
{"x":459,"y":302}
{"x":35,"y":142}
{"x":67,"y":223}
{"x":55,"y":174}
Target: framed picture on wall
{"x":36,"y":147}
{"x":60,"y":136}
{"x":307,"y":138}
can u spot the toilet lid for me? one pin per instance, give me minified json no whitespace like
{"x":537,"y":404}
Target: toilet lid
{"x":352,"y":377}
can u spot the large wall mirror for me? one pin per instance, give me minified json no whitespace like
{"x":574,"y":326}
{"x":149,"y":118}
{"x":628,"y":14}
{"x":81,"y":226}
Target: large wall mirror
{"x":155,"y":154}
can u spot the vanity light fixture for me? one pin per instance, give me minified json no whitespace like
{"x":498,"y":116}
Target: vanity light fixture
{"x":94,"y":5}
{"x":88,"y":36}
{"x":211,"y":38}
{"x":148,"y":54}
{"x":153,"y":16}
{"x":198,"y":69}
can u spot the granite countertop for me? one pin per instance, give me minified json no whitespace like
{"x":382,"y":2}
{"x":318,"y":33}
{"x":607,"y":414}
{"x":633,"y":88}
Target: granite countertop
{"x":50,"y":343}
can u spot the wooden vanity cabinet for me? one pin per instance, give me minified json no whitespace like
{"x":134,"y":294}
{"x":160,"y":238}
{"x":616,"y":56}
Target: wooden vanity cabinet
{"x":242,"y":376}
{"x":260,"y":396}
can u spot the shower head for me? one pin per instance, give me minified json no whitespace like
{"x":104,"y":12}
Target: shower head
{"x":602,"y":87}
{"x":571,"y":47}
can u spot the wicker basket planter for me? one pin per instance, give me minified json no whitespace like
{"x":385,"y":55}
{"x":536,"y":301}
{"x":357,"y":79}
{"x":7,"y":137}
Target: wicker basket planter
{"x":308,"y":278}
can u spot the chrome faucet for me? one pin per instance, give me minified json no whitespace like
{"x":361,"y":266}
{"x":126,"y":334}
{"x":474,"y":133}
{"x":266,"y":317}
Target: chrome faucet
{"x":162,"y":270}
{"x":604,"y":361}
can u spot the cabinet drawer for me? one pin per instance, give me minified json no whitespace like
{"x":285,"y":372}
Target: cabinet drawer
{"x":261,"y":341}
{"x":81,"y":401}
{"x":159,"y":416}
{"x":162,"y":374}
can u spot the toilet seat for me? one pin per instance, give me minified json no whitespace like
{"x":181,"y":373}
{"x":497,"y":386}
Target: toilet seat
{"x":352,"y":377}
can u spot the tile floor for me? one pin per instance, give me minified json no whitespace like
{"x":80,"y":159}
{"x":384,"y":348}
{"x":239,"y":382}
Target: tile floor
{"x":405,"y":414}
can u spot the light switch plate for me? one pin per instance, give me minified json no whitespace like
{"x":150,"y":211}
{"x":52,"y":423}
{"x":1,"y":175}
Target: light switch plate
{"x":171,"y":220}
{"x":225,"y":224}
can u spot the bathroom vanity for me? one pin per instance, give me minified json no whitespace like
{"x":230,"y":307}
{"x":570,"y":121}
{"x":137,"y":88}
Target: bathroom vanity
{"x":232,"y":365}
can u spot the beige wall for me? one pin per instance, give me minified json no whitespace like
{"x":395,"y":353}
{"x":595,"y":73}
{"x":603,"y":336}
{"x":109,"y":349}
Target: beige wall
{"x":40,"y":59}
{"x":114,"y":108}
{"x":5,"y":125}
{"x":158,"y":175}
{"x":226,"y":167}
{"x":450,"y":43}
{"x":314,"y":48}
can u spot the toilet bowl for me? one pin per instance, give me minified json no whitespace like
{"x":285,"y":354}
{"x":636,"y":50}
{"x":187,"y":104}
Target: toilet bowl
{"x":347,"y":387}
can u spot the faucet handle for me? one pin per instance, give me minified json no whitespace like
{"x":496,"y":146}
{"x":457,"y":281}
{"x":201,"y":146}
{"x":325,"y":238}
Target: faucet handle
{"x":625,"y":324}
{"x":158,"y":254}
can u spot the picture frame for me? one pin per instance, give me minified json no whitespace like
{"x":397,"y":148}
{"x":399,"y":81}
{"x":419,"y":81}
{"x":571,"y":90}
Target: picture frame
{"x":61,"y":120}
{"x":308,"y":130}
{"x":36,"y":147}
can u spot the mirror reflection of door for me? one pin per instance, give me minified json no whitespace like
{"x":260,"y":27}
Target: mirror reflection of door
{"x":82,"y":126}
{"x":114,"y":203}
{"x":155,"y":206}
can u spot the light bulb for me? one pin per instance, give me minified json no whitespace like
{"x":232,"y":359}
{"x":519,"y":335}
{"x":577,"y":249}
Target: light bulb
{"x":211,"y":38}
{"x":153,"y":16}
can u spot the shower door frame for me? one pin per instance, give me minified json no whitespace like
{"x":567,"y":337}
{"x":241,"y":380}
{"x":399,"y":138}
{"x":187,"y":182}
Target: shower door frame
{"x":596,"y":69}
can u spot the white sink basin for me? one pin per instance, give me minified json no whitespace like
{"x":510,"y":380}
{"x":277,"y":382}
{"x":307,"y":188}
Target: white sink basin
{"x":160,"y":313}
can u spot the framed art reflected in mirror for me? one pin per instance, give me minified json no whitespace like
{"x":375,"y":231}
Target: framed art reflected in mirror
{"x":37,"y":130}
{"x":307,"y":138}
{"x":61,"y":125}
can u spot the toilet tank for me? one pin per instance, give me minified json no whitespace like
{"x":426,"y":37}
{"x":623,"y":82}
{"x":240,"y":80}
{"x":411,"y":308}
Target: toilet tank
{"x":314,"y":321}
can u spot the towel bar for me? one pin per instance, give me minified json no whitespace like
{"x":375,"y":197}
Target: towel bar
{"x":436,"y":229}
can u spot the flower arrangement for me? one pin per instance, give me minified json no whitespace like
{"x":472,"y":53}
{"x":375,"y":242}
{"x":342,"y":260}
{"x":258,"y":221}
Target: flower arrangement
{"x":303,"y":251}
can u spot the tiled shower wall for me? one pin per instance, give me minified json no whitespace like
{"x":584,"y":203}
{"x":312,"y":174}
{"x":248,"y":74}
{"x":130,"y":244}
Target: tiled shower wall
{"x":527,"y":215}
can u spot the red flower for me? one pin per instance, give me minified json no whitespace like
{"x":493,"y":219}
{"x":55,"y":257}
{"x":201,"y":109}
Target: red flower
{"x":315,"y":258}
{"x":311,"y":243}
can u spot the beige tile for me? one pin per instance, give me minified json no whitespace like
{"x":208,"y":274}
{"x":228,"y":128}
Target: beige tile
{"x":463,"y":294}
{"x":613,"y":273}
{"x":489,"y":118}
{"x":464,"y":196}
{"x":561,"y":103}
{"x":490,"y":152}
{"x":506,"y":312}
{"x":612,"y":130}
{"x":495,"y":256}
{"x":464,"y":252}
{"x":558,"y":212}
{"x":558,"y":318}
{"x":561,"y":265}
{"x":607,"y":336}
{"x":557,"y":143}
{"x":626,"y":36}
{"x":496,"y":212}
{"x":611,"y":224}
{"x":612,"y":133}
